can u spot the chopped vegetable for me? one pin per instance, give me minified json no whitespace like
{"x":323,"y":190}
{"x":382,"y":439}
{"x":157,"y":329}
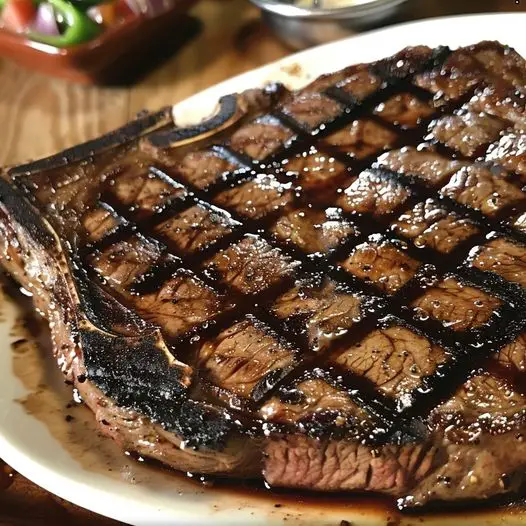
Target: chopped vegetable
{"x":18,"y":15}
{"x":79,"y":27}
{"x":155,"y":7}
{"x":123,"y":9}
{"x":64,"y":23}
{"x":105,"y":14}
{"x":45,"y":21}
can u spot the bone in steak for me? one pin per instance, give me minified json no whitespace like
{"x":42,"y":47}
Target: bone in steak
{"x":323,"y":288}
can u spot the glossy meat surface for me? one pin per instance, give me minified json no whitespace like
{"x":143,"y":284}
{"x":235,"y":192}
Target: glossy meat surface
{"x":324,"y":288}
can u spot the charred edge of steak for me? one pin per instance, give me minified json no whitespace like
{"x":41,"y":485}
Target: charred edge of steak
{"x":22,"y":211}
{"x":117,"y":137}
{"x":136,"y":375}
{"x":102,"y":309}
{"x":130,"y":429}
{"x":131,"y":370}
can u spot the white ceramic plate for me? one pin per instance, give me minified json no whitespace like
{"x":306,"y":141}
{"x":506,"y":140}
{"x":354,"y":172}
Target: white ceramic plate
{"x":77,"y":467}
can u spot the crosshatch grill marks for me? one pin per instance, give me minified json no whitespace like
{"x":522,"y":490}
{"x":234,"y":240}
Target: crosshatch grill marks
{"x":270,"y":207}
{"x":271,"y":373}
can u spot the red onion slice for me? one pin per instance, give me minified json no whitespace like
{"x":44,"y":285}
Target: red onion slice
{"x":45,"y":21}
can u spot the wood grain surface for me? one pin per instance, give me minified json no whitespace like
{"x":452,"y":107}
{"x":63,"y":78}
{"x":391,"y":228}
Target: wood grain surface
{"x":40,"y":116}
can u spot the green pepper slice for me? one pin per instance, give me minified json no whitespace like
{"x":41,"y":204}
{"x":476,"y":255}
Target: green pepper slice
{"x":80,"y":27}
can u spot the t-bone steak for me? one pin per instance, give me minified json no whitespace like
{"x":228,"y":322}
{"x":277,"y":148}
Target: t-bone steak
{"x":324,"y":288}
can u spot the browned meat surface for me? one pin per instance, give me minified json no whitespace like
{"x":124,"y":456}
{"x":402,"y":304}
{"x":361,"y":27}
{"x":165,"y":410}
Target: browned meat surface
{"x":459,"y":74}
{"x":405,"y":110}
{"x":360,"y":84}
{"x":143,"y":191}
{"x":241,"y":356}
{"x":505,"y":258}
{"x":458,"y":306}
{"x":180,"y":304}
{"x":202,"y":168}
{"x":468,"y":133}
{"x":321,"y":313}
{"x":481,"y":422}
{"x":362,"y":139}
{"x":514,"y":354}
{"x":255,"y":296}
{"x":313,"y":230}
{"x":122,"y":263}
{"x":195,"y":228}
{"x":312,"y":399}
{"x":251,"y":265}
{"x":510,"y":152}
{"x":429,"y":166}
{"x":429,"y":224}
{"x":99,"y":222}
{"x":492,"y":101}
{"x":260,"y":138}
{"x":315,"y":170}
{"x":373,"y":193}
{"x":394,"y":359}
{"x":255,"y":199}
{"x":312,"y":109}
{"x":382,"y":263}
{"x":505,"y":64}
{"x":481,"y":188}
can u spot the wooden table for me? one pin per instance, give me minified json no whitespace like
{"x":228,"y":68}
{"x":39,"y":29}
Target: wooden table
{"x":40,"y":116}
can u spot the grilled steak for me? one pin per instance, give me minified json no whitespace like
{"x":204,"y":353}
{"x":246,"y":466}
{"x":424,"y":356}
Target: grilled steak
{"x":324,"y":288}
